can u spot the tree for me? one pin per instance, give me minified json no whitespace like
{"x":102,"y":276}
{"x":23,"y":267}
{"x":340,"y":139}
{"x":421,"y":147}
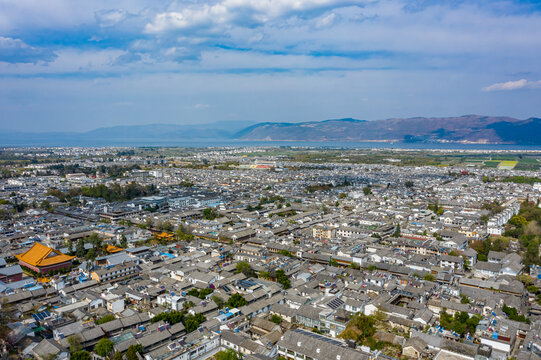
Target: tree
{"x":91,"y":255}
{"x":45,"y":205}
{"x":70,"y":247}
{"x":182,"y":234}
{"x":282,"y":278}
{"x":461,"y":322}
{"x":409,"y":184}
{"x":218,"y":301}
{"x":397,"y":231}
{"x":428,"y":277}
{"x":228,"y":354}
{"x":324,"y":209}
{"x":525,"y":279}
{"x":123,"y":241}
{"x":148,"y":223}
{"x":131,"y":353}
{"x":236,"y":301}
{"x":80,"y":248}
{"x":209,"y":214}
{"x":245,"y":268}
{"x":104,"y":347}
{"x":192,"y":322}
{"x":172,"y":317}
{"x":166,"y":226}
{"x":187,"y":304}
{"x":286,"y":253}
{"x":202,"y":294}
{"x":367,"y":191}
{"x":104,"y":319}
{"x":7,"y":315}
{"x":95,"y":240}
{"x":518,"y":220}
{"x":80,"y":355}
{"x":118,"y":356}
{"x":359,"y":328}
{"x":74,"y":341}
{"x":513,"y":314}
{"x":277,"y":319}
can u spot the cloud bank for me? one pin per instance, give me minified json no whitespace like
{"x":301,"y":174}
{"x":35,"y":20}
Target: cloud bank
{"x":268,"y":60}
{"x":17,"y":51}
{"x":514,"y":85}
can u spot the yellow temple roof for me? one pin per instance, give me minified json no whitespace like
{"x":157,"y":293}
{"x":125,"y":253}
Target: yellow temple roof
{"x":41,"y":255}
{"x":113,"y":249}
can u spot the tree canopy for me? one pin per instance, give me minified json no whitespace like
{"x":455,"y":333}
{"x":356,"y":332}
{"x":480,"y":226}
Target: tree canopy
{"x":359,"y":328}
{"x":236,"y":301}
{"x":80,"y":355}
{"x":461,"y":322}
{"x":228,"y":354}
{"x":245,"y":268}
{"x":282,"y":278}
{"x":190,"y":322}
{"x":104,"y":347}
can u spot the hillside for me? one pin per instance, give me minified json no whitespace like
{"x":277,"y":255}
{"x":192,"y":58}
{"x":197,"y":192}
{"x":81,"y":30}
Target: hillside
{"x":465,"y":129}
{"x":151,"y":133}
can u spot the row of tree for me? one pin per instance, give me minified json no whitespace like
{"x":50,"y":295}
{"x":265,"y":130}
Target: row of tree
{"x":111,"y":193}
{"x":104,"y":348}
{"x":280,"y":275}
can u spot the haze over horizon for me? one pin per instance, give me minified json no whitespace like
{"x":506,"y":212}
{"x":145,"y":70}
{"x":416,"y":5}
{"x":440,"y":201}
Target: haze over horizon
{"x":77,"y":65}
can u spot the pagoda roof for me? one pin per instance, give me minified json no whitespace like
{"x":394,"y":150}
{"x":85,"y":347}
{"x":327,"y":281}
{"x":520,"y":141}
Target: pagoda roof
{"x":41,"y":255}
{"x":114,"y":249}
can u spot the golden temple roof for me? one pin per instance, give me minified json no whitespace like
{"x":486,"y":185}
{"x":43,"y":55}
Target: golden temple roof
{"x":41,"y":255}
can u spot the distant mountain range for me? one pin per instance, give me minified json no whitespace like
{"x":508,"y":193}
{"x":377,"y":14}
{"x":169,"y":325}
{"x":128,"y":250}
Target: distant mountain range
{"x":463,"y":129}
{"x":140,"y":134}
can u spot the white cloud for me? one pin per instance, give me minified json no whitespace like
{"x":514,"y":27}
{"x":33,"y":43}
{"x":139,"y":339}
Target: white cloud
{"x":243,"y":12}
{"x":267,"y":35}
{"x":17,"y":51}
{"x":107,"y":18}
{"x":66,"y":61}
{"x":513,"y":85}
{"x":327,"y":20}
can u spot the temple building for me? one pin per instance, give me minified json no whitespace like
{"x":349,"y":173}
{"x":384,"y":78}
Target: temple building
{"x":42,"y":259}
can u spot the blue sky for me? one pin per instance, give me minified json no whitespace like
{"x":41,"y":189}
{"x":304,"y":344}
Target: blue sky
{"x":75,"y":65}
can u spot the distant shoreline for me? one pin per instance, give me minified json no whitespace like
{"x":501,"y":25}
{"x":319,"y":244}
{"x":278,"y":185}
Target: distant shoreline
{"x":383,"y":145}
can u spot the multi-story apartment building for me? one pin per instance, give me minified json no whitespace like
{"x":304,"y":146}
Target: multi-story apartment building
{"x":118,"y":272}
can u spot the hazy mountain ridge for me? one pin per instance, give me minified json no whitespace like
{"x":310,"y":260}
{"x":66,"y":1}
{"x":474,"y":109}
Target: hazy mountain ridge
{"x":152,"y":132}
{"x":462,"y":129}
{"x":465,"y":129}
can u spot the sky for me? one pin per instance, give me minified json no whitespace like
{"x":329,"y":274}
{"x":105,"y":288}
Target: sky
{"x":77,"y":65}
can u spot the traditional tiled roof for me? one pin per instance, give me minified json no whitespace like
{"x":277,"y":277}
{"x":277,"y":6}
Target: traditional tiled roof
{"x":41,"y":255}
{"x":113,"y":249}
